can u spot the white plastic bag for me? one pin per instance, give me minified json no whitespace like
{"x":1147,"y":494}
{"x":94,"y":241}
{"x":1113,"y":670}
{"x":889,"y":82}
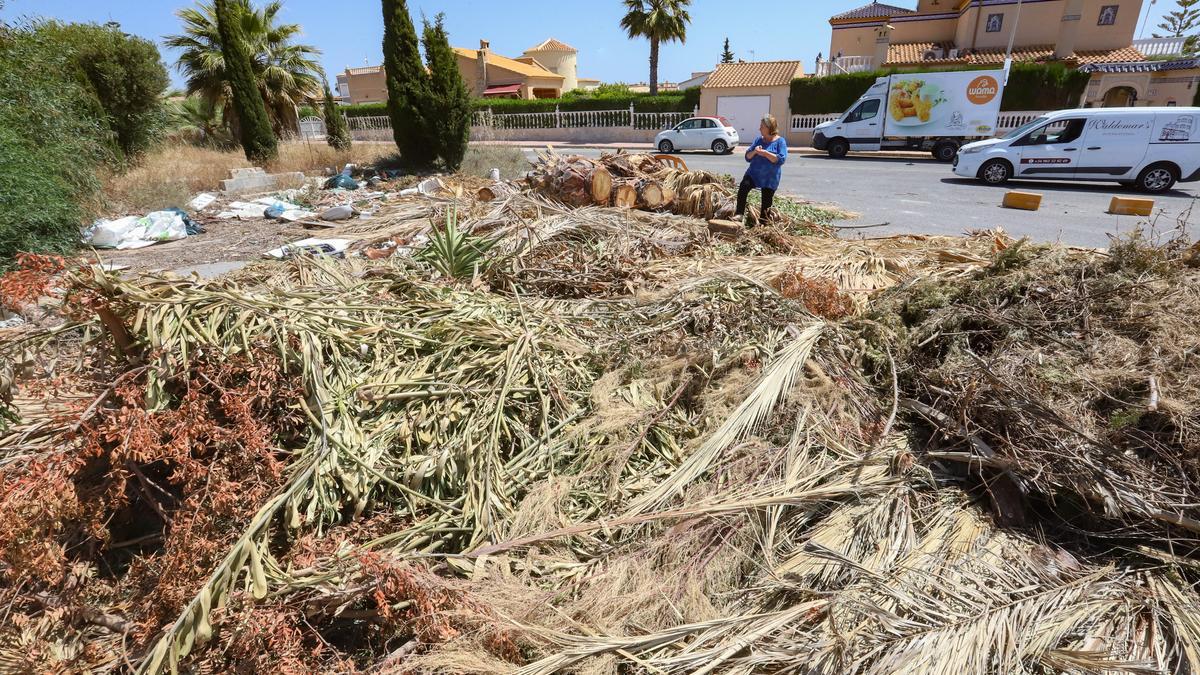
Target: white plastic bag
{"x":110,"y":233}
{"x":163,"y":226}
{"x":133,"y":232}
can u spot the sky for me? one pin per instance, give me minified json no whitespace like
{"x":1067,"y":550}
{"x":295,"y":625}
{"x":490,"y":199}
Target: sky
{"x":348,"y":32}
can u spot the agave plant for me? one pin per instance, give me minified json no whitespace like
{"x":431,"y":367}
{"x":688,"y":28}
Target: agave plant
{"x":455,"y":253}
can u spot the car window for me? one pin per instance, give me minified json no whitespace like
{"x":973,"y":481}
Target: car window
{"x":865,"y":111}
{"x":710,"y":124}
{"x":689,"y":124}
{"x":1056,"y":132}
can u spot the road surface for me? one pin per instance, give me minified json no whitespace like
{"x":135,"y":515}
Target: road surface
{"x":919,"y":195}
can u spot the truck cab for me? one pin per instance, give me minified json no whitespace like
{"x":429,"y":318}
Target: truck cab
{"x":860,"y":128}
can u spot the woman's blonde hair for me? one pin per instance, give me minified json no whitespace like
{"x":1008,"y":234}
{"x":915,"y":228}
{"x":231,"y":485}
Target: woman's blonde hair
{"x":770,"y":123}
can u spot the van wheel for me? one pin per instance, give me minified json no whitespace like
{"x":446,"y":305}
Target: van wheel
{"x":838,"y":148}
{"x":720,"y":147}
{"x":995,"y":172}
{"x":666,"y":147}
{"x":1157,"y":178}
{"x":945,"y":151}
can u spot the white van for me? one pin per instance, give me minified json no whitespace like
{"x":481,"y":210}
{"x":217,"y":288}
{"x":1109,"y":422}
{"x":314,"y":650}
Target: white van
{"x":1147,"y":148}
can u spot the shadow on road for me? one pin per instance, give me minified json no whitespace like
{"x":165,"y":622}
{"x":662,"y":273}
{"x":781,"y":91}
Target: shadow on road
{"x":886,"y":160}
{"x":1059,"y":186}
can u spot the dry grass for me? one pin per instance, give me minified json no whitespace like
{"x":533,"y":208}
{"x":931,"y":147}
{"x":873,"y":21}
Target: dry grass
{"x":170,"y":175}
{"x":480,"y":159}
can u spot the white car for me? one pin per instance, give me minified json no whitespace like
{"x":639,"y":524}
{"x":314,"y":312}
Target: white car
{"x":1147,"y":148}
{"x":699,"y":133}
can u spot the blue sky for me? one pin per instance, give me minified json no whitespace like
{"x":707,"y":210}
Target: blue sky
{"x":348,"y":32}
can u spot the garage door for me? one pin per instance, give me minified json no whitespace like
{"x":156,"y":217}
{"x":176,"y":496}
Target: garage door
{"x":744,"y":113}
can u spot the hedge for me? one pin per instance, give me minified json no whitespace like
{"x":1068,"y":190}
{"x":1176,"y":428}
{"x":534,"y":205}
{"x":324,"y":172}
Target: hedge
{"x":685,"y":101}
{"x":1031,"y":86}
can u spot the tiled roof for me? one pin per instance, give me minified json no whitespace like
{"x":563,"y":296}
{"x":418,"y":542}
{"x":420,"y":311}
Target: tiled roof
{"x":1141,"y":66}
{"x":365,"y":70}
{"x":1109,"y":56}
{"x":552,"y":45}
{"x":508,"y":64}
{"x":875,"y":10}
{"x":910,"y":53}
{"x":754,"y":74}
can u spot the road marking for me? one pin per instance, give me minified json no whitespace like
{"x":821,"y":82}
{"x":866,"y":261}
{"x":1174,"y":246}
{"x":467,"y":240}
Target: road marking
{"x":915,"y":201}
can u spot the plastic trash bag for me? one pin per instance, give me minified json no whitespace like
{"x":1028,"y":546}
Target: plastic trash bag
{"x":133,"y":232}
{"x":341,"y":181}
{"x":342,"y":212}
{"x":193,"y":228}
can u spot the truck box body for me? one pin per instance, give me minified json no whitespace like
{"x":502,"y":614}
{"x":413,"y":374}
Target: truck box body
{"x":919,"y":110}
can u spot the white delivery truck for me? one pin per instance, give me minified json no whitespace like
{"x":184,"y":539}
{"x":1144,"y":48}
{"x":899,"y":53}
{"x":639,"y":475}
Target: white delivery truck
{"x":937,"y":112}
{"x":1147,"y":148}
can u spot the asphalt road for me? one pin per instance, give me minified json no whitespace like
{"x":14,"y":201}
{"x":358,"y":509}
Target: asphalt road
{"x":922,"y":196}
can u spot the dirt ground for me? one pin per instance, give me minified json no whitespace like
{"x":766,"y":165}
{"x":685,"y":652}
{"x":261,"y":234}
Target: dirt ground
{"x":225,"y":240}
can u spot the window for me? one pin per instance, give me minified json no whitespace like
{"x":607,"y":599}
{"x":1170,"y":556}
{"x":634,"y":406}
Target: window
{"x":709,"y":124}
{"x":688,"y":125}
{"x":1058,"y":131}
{"x":865,"y":111}
{"x":995,"y":23}
{"x":1108,"y":15}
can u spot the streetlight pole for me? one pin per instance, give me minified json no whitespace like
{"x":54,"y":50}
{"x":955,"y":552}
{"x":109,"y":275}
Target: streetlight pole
{"x":1012,"y":37}
{"x":1146,"y":20}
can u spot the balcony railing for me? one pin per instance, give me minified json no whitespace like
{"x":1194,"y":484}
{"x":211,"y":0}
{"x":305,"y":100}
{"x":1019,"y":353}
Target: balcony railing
{"x":1169,"y":46}
{"x":845,"y":64}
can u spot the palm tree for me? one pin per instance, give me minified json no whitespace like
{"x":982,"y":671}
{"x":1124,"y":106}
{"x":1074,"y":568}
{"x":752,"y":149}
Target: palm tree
{"x":199,"y":122}
{"x":658,"y":21}
{"x":287,"y":73}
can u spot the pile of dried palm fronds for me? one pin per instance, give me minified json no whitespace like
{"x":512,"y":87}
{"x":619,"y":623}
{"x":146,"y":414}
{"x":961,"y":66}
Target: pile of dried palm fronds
{"x":1070,"y":381}
{"x":548,"y":439}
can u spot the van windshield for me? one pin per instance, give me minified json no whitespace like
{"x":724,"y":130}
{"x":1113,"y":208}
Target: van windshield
{"x":1025,"y":128}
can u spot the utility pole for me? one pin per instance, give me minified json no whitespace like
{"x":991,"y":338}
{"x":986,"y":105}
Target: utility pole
{"x":1012,"y":37}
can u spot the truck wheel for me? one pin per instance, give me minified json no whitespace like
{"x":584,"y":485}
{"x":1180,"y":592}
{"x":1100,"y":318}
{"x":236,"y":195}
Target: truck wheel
{"x":945,"y":151}
{"x":720,"y":147}
{"x":1157,"y":178}
{"x":995,"y":172}
{"x":666,"y":147}
{"x":838,"y":148}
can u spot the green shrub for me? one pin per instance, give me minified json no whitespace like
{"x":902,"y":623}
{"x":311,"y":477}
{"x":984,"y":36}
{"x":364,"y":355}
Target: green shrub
{"x":1031,"y":86}
{"x":337,"y":134}
{"x":685,"y":101}
{"x":126,"y":75}
{"x":1043,"y":86}
{"x":835,"y":93}
{"x":52,"y":139}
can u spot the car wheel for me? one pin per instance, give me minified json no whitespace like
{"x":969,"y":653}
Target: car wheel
{"x":838,"y":148}
{"x":995,"y":172}
{"x":666,"y":147}
{"x":1157,"y":178}
{"x":720,"y":147}
{"x":945,"y":152}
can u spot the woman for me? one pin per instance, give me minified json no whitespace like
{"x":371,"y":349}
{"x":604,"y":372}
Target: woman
{"x":766,"y":156}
